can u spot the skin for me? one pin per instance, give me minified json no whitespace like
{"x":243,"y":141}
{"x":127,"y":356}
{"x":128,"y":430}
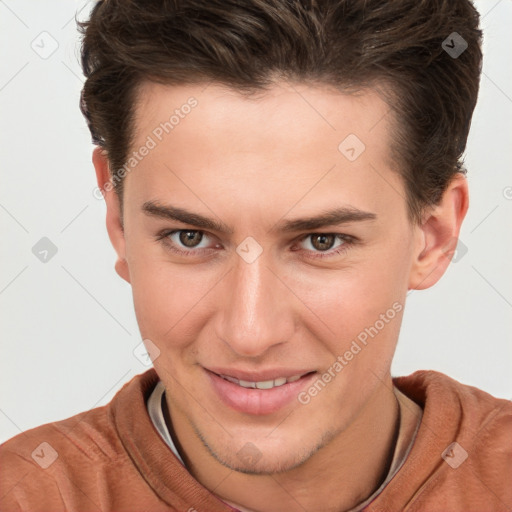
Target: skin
{"x":252,"y":163}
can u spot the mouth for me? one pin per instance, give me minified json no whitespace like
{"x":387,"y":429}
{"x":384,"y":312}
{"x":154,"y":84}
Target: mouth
{"x":259,"y":393}
{"x":263,"y":384}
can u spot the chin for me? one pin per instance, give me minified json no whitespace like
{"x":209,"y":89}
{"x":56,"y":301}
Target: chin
{"x":265,"y":463}
{"x":267,"y":456}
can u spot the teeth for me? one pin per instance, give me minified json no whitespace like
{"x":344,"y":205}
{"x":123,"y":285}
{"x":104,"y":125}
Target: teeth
{"x":247,"y":384}
{"x":265,"y":384}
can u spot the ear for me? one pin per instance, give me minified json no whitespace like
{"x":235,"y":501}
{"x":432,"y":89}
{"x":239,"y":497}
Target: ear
{"x":114,"y":224}
{"x":438,"y":235}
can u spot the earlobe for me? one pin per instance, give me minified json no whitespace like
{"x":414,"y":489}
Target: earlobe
{"x":122,"y":269}
{"x":438,"y":235}
{"x":114,"y":225}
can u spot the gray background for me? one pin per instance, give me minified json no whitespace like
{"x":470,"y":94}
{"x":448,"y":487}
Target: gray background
{"x":68,"y":329}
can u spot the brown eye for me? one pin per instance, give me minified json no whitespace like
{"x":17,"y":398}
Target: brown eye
{"x":326,"y":245}
{"x":190,"y":238}
{"x":322,"y":242}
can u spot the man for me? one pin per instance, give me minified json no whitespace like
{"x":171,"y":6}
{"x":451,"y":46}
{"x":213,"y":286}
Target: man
{"x":278,"y":175}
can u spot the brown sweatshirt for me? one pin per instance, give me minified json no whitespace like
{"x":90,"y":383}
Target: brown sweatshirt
{"x":112,"y":458}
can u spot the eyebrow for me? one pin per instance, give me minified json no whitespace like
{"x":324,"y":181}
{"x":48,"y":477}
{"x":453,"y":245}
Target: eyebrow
{"x":341,"y":215}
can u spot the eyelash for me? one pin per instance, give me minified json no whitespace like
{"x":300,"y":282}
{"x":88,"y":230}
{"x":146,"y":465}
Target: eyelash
{"x":347,"y":240}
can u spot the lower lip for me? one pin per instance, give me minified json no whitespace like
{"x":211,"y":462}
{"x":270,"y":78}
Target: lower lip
{"x":257,"y":401}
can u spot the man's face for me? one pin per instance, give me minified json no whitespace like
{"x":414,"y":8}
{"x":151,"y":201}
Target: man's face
{"x":257,"y":295}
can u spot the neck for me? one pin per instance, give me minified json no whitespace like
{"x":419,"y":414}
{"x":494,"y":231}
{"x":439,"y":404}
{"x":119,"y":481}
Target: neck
{"x":337,"y":477}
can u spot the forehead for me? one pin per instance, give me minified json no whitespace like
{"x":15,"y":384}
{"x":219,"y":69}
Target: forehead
{"x":285,"y":139}
{"x":296,"y":107}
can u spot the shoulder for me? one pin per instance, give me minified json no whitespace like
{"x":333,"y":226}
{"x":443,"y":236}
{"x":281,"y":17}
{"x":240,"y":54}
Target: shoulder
{"x":447,"y":396}
{"x":35,"y":462}
{"x":59,"y":465}
{"x":464,"y":444}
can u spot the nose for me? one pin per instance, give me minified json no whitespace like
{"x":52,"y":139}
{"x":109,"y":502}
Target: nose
{"x":258,"y":312}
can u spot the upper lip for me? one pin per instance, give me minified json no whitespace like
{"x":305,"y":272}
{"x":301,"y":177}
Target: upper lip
{"x":259,"y":376}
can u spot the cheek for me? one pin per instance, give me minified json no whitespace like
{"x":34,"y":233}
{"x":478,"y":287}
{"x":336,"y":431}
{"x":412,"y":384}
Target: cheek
{"x":364,"y":300}
{"x":166,"y":298}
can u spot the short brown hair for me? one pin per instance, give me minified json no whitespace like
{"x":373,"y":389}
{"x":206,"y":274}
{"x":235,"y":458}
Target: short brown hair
{"x":397,"y":47}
